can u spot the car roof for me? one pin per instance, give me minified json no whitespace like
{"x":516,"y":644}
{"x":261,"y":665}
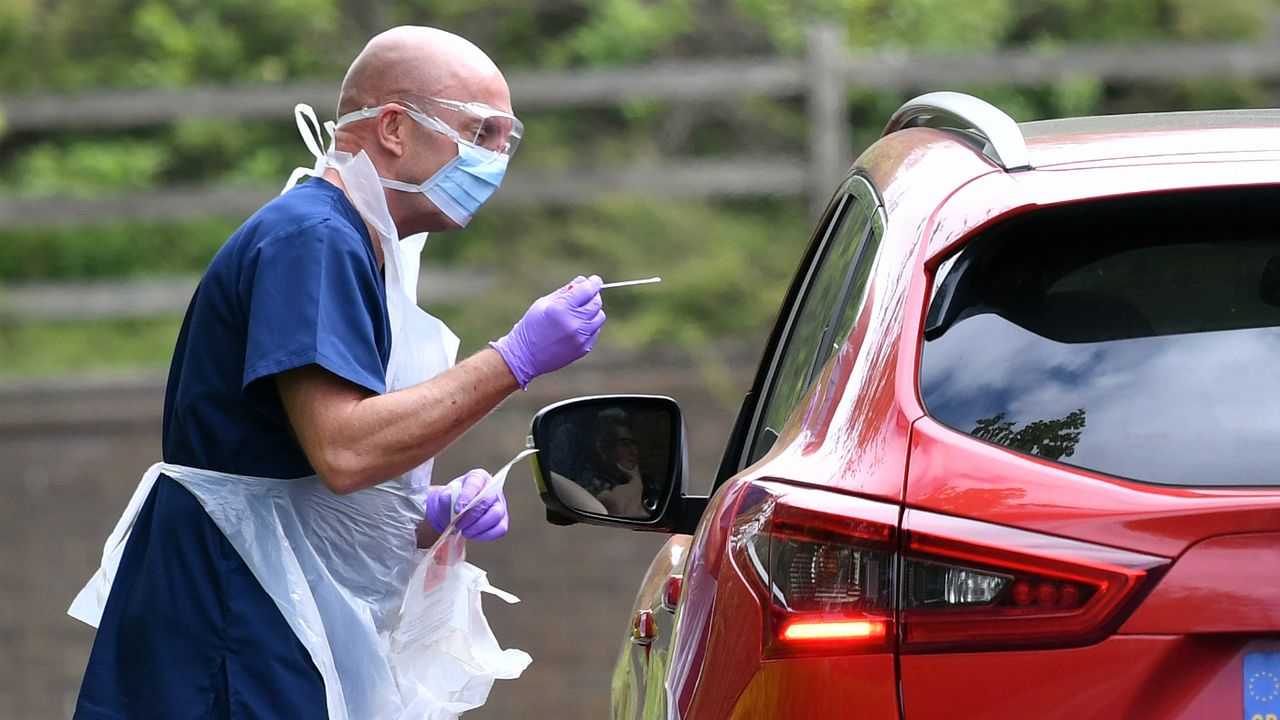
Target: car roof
{"x":1136,"y":138}
{"x":955,"y":150}
{"x":1146,"y":135}
{"x":1137,"y":122}
{"x":942,"y":141}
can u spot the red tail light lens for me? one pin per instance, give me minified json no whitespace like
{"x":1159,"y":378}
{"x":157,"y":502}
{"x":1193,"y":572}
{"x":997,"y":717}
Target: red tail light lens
{"x":823,"y":567}
{"x":822,"y":629}
{"x":835,"y":577}
{"x":1011,"y":588}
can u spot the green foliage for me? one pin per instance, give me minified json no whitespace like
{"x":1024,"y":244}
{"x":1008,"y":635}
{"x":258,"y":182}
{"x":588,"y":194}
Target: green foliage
{"x":933,"y":24}
{"x":107,"y":251}
{"x":232,"y":152}
{"x":621,"y":31}
{"x":72,"y":44}
{"x":191,"y":152}
{"x":1195,"y":19}
{"x":723,"y":264}
{"x":76,"y":44}
{"x":86,"y":167}
{"x":723,"y":268}
{"x":1053,"y":21}
{"x":57,"y":348}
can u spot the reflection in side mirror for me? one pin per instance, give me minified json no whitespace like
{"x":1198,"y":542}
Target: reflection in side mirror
{"x":619,"y":457}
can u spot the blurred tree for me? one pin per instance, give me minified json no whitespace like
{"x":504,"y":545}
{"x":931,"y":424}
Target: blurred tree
{"x":933,"y":24}
{"x":78,"y":44}
{"x":725,"y":263}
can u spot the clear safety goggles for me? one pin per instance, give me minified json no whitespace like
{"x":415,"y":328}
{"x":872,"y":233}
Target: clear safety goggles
{"x":475,"y":124}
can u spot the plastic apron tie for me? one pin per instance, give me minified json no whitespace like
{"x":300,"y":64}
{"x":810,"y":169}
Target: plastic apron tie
{"x":338,"y":567}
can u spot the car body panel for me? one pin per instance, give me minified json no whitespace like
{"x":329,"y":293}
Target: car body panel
{"x":866,"y":457}
{"x":1222,"y":573}
{"x":1124,"y":677}
{"x":1003,"y":195}
{"x":854,"y":687}
{"x":955,"y":474}
{"x":633,"y":695}
{"x":862,"y":430}
{"x":1179,"y":663}
{"x":689,"y":680}
{"x":1162,"y":146}
{"x":720,"y":618}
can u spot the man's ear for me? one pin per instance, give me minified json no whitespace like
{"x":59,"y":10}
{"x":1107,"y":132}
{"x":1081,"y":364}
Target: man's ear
{"x":391,"y":129}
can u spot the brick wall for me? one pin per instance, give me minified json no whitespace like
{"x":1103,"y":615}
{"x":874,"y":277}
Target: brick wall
{"x":71,"y":453}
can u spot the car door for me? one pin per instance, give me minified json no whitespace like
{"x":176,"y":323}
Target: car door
{"x":816,"y":318}
{"x":825,"y":300}
{"x":1103,"y":417}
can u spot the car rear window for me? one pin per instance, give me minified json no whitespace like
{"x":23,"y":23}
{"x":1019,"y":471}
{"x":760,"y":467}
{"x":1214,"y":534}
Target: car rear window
{"x":1136,"y":337}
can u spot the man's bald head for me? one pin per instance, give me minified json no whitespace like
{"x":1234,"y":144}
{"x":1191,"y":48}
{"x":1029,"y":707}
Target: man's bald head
{"x":421,"y":61}
{"x":408,"y":66}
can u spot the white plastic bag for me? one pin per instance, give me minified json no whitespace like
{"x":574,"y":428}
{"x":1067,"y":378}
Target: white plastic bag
{"x":445,"y":656}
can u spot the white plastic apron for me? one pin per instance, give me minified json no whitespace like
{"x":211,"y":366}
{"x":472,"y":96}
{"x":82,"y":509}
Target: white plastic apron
{"x":338,"y":567}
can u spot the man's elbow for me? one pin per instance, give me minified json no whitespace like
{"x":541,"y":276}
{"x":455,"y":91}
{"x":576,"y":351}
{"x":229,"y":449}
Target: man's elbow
{"x":343,"y":471}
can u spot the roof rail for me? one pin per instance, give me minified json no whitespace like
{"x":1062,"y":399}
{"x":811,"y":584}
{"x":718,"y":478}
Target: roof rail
{"x":1005,"y":145}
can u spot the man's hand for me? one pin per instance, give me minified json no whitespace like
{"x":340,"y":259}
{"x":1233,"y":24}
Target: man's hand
{"x":488,"y":520}
{"x":556,"y":330}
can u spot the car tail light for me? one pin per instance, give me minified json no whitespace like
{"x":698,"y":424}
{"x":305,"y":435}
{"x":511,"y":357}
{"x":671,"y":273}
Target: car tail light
{"x":824,"y":573}
{"x":835,"y":577}
{"x":803,"y":630}
{"x":972,"y":585}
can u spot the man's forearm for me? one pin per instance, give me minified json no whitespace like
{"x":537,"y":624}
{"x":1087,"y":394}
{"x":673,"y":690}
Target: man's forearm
{"x":355,"y":440}
{"x":393,"y":433}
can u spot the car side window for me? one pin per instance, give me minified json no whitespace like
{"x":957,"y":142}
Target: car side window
{"x":823,"y":314}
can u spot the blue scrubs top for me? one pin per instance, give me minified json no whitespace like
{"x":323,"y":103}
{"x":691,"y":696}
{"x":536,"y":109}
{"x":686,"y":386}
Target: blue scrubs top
{"x":187,"y":631}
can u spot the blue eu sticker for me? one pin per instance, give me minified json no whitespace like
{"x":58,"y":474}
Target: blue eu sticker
{"x":1262,"y":686}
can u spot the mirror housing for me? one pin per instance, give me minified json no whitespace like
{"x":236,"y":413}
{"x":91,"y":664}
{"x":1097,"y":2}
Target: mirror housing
{"x":615,"y":460}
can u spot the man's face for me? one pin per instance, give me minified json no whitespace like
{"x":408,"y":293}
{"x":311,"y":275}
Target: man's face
{"x":428,"y":150}
{"x":619,"y":449}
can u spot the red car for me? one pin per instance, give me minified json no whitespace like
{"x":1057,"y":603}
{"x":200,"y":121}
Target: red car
{"x":1013,"y":449}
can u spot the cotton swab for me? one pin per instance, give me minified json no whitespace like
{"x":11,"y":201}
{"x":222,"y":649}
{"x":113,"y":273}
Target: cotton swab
{"x":625,"y":283}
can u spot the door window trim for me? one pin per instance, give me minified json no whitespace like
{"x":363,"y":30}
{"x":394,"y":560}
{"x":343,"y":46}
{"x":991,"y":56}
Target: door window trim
{"x":856,"y":188}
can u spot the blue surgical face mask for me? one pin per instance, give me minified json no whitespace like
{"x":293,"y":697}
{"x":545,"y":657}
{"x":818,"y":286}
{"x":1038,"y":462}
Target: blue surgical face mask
{"x":463,"y":184}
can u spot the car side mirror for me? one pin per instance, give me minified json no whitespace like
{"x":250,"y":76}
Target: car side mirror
{"x":617,"y":460}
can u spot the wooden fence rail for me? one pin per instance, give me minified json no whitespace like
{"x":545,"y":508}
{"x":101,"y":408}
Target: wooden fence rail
{"x":700,"y":80}
{"x":822,"y":78}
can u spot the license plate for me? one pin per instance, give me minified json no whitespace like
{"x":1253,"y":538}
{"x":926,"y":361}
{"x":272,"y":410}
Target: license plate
{"x":1262,"y":686}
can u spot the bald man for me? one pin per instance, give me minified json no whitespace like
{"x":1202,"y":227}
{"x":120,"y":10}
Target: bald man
{"x":285,"y":367}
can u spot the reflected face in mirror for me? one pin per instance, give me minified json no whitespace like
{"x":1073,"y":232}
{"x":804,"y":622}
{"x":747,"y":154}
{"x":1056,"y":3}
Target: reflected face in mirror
{"x":617,"y":452}
{"x":608,"y":458}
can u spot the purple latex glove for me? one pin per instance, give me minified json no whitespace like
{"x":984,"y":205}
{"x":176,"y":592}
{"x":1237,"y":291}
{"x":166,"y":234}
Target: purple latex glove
{"x":486,"y":521}
{"x":556,"y":330}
